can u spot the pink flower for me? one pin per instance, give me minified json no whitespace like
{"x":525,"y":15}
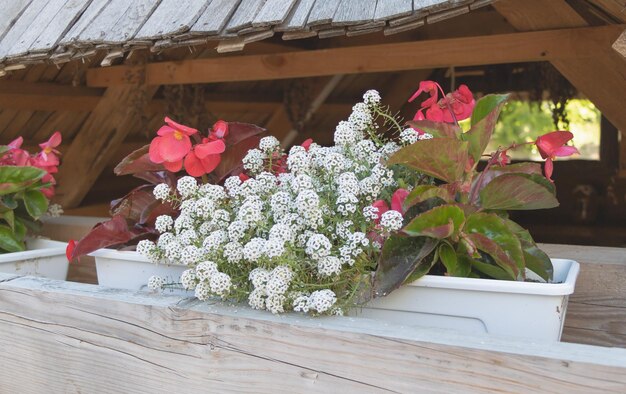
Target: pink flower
{"x":455,"y":106}
{"x":553,"y":145}
{"x":204,"y":157}
{"x":48,"y":153}
{"x":172,"y":145}
{"x":219,"y":130}
{"x":16,"y":143}
{"x":307,"y":144}
{"x":397,"y":202}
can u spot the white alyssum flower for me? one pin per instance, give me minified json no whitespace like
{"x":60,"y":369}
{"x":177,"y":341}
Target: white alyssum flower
{"x":425,"y":136}
{"x":161,"y":191}
{"x":163,"y":223}
{"x":253,"y":161}
{"x":328,"y":266}
{"x":220,"y":284}
{"x":155,"y":282}
{"x":269,"y":144}
{"x":408,"y":136}
{"x":187,"y":186}
{"x":188,"y":279}
{"x":322,"y":300}
{"x":318,"y":246}
{"x":391,"y":220}
{"x":371,"y":97}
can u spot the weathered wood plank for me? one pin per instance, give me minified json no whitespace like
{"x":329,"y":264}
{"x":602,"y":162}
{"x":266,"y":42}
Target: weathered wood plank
{"x":45,"y":16}
{"x":21,"y":26}
{"x":58,"y":26}
{"x":86,"y":19}
{"x":494,"y":49}
{"x":354,"y":12}
{"x":393,"y":9}
{"x":60,"y":336}
{"x":273,"y":12}
{"x":620,"y":44}
{"x":172,"y":17}
{"x":131,"y":21}
{"x":244,"y":15}
{"x":298,"y":17}
{"x":215,"y":17}
{"x":117,"y":22}
{"x":322,"y":12}
{"x":11,"y":10}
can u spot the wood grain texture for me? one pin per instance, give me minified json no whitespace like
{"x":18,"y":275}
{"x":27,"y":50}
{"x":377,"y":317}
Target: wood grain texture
{"x":393,"y":9}
{"x":52,"y":33}
{"x":93,"y":146}
{"x":298,"y":17}
{"x":170,"y":18}
{"x":273,"y":12}
{"x":86,"y":19}
{"x":323,"y":12}
{"x":243,"y":17}
{"x":11,"y":10}
{"x":21,"y":26}
{"x":352,"y":13}
{"x":60,"y":337}
{"x":620,"y":44}
{"x":494,"y":49}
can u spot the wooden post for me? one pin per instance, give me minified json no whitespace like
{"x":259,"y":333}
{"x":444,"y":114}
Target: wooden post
{"x":98,"y":140}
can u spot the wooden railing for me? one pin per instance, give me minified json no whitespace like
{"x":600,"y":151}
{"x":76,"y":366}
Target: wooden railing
{"x":70,"y":337}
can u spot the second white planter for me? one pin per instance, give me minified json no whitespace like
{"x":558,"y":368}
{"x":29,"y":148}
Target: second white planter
{"x":130,"y":270}
{"x":521,"y":309}
{"x":42,"y":257}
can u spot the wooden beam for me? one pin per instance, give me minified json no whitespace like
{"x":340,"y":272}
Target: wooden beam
{"x":63,"y":336}
{"x":464,"y":51}
{"x":97,"y":140}
{"x":601,"y":77}
{"x":620,"y":44}
{"x":22,"y":95}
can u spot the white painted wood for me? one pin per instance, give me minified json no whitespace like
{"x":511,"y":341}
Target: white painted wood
{"x":215,"y":17}
{"x":298,"y":16}
{"x":273,"y":12}
{"x":172,"y":17}
{"x":69,"y":337}
{"x":322,"y":12}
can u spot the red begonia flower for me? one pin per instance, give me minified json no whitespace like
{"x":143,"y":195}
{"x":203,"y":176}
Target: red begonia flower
{"x":69,"y":250}
{"x":243,"y":177}
{"x":204,"y":158}
{"x":172,"y":144}
{"x":16,"y":143}
{"x":429,"y":87}
{"x":397,"y":200}
{"x":307,"y":144}
{"x":382,"y":208}
{"x":455,"y":106}
{"x":553,"y":145}
{"x":47,"y":148}
{"x":219,"y":130}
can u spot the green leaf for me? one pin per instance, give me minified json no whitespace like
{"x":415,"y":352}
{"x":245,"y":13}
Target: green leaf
{"x":9,"y":217}
{"x":536,"y":259}
{"x":495,"y":229}
{"x":494,"y":250}
{"x":3,"y":148}
{"x":517,"y":168}
{"x":36,"y":203}
{"x":424,"y":192}
{"x":423,"y":268}
{"x":14,"y":179}
{"x":437,"y":129}
{"x":7,"y":202}
{"x":484,"y":119}
{"x":487,"y":105}
{"x":518,"y":192}
{"x":400,"y":257}
{"x":8,"y":240}
{"x":440,"y":222}
{"x":20,"y":228}
{"x":442,"y":158}
{"x":490,"y":270}
{"x":448,"y":257}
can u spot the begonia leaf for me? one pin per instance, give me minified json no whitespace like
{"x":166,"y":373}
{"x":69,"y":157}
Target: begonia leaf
{"x":16,"y":178}
{"x":400,"y":257}
{"x":442,"y":158}
{"x":437,"y":129}
{"x":440,"y":222}
{"x":484,"y":119}
{"x":518,"y":192}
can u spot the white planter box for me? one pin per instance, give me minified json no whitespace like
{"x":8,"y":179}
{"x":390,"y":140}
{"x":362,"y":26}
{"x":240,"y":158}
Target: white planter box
{"x":42,"y":257}
{"x":521,"y":309}
{"x":130,"y":270}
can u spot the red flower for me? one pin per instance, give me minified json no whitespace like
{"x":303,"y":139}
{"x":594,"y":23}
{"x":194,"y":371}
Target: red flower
{"x":455,"y":106}
{"x":204,"y":157}
{"x":397,"y":202}
{"x":243,"y":177}
{"x":69,"y":250}
{"x":172,"y":145}
{"x":307,"y":144}
{"x":219,"y":130}
{"x":16,"y":143}
{"x":48,"y":153}
{"x":553,"y":145}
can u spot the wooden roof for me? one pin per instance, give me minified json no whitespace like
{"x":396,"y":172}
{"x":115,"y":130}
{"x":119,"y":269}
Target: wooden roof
{"x":57,"y":31}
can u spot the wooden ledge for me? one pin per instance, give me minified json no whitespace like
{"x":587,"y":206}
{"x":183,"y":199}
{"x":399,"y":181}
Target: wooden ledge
{"x":62,"y":336}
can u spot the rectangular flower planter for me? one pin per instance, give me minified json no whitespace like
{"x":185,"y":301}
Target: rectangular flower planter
{"x":521,"y":309}
{"x":130,"y":270}
{"x":42,"y":257}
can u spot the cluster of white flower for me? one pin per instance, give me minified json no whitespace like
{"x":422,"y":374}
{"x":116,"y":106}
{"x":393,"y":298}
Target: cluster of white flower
{"x":292,"y":241}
